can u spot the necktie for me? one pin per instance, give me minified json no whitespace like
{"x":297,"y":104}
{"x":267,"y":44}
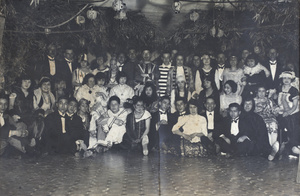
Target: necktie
{"x":2,"y":122}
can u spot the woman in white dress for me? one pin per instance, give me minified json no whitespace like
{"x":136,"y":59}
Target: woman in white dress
{"x":122,"y":90}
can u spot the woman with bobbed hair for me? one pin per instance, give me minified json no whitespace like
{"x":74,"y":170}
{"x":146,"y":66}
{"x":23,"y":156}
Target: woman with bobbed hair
{"x":21,"y":99}
{"x":87,"y":90}
{"x":43,"y":97}
{"x":229,"y":96}
{"x":137,"y":127}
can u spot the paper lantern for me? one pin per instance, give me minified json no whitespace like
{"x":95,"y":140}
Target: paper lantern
{"x":47,"y":31}
{"x":91,"y":14}
{"x":80,"y":20}
{"x":194,"y":16}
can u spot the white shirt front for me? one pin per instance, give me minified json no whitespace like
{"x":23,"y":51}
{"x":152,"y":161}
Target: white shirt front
{"x":273,"y":66}
{"x":63,"y":122}
{"x":163,"y":116}
{"x":2,"y":122}
{"x":69,"y":64}
{"x":210,"y":120}
{"x":52,"y":65}
{"x":180,"y":72}
{"x":221,"y":72}
{"x":234,"y":127}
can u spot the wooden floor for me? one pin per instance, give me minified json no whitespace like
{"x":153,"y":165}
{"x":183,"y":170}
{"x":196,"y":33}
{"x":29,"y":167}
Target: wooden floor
{"x":122,"y":173}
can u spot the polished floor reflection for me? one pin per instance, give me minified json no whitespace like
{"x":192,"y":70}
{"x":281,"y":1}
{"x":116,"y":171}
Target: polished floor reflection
{"x":121,"y":173}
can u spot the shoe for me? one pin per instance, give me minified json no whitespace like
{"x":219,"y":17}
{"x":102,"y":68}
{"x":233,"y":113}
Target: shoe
{"x":274,"y":151}
{"x":296,"y":150}
{"x":145,"y":150}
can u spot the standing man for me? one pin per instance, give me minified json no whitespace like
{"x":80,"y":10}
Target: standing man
{"x":67,"y":66}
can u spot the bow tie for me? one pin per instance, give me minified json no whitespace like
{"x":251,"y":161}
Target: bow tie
{"x":51,"y":59}
{"x":63,"y":116}
{"x":182,"y":113}
{"x":235,"y":121}
{"x":273,"y":62}
{"x":162,"y":112}
{"x":210,"y":113}
{"x":221,"y":67}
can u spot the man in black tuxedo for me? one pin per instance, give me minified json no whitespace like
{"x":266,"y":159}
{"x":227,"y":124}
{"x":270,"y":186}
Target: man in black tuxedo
{"x":75,"y":122}
{"x":181,"y":110}
{"x":235,"y":138}
{"x":59,"y":137}
{"x":161,"y":128}
{"x":48,"y":66}
{"x":66,"y":67}
{"x":221,"y":60}
{"x":213,"y":118}
{"x":275,"y":68}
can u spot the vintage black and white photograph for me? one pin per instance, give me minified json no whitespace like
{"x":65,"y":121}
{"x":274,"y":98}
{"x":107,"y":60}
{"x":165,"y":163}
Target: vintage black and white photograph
{"x":149,"y":97}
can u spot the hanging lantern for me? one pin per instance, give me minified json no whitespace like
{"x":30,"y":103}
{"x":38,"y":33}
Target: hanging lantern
{"x":176,"y":6}
{"x":91,"y":14}
{"x":213,"y":31}
{"x":80,"y":20}
{"x":220,"y":33}
{"x":118,"y":5}
{"x":194,"y":16}
{"x":47,"y":31}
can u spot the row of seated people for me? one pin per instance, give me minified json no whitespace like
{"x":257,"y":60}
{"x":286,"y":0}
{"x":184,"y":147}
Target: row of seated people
{"x":274,"y":89}
{"x":130,"y":125}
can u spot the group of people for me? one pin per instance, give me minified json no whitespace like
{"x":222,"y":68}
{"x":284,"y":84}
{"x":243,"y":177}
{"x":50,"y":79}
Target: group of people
{"x":197,"y":105}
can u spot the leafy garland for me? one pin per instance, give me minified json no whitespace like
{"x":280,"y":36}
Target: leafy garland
{"x":258,"y":24}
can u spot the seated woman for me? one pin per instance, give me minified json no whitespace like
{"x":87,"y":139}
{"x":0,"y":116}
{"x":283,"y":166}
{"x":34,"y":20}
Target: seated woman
{"x":43,"y":97}
{"x":256,"y":74}
{"x":83,"y":113}
{"x":267,"y":109}
{"x":112,"y":74}
{"x":21,"y":100}
{"x":288,"y":101}
{"x":80,"y":72}
{"x":209,"y":71}
{"x":111,"y":126}
{"x":234,"y":73}
{"x":258,"y":132}
{"x":60,"y":88}
{"x":87,"y":90}
{"x":102,"y":96}
{"x":137,"y":127}
{"x":179,"y":91}
{"x":122,"y":90}
{"x":209,"y":91}
{"x":149,"y":96}
{"x":12,"y":134}
{"x":194,"y":126}
{"x":228,"y":97}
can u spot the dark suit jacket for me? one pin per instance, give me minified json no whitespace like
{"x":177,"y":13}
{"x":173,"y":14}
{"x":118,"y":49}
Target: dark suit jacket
{"x":218,"y":122}
{"x":273,"y":84}
{"x":244,"y":129}
{"x":53,"y":137}
{"x":63,"y":71}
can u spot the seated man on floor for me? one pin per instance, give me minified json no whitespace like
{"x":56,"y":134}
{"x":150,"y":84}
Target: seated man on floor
{"x":236,"y":137}
{"x":194,"y":132}
{"x":59,"y":135}
{"x":160,"y":128}
{"x":213,"y":117}
{"x":12,"y":134}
